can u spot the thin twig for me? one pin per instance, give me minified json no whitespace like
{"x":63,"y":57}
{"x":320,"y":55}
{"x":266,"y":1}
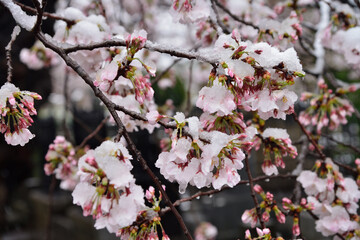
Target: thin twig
{"x":188,"y":95}
{"x":341,"y":143}
{"x":66,"y":108}
{"x":8,"y":47}
{"x":257,"y":207}
{"x":215,"y":191}
{"x":353,"y":170}
{"x":301,"y":42}
{"x":45,"y":14}
{"x":181,"y":53}
{"x":95,"y":132}
{"x":86,"y":127}
{"x":218,"y":20}
{"x":39,"y":14}
{"x":301,"y":159}
{"x":222,"y":7}
{"x":159,"y":76}
{"x":318,"y":150}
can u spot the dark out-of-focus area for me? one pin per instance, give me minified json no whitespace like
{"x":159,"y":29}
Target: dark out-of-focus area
{"x":24,"y":188}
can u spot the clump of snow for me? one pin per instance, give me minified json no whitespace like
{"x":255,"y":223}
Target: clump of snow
{"x":21,"y":18}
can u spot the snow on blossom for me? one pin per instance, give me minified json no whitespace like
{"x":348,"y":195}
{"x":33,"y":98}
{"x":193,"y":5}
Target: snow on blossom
{"x":19,"y":107}
{"x":277,"y":143}
{"x":216,"y":99}
{"x":289,"y":28}
{"x":107,"y":189}
{"x":90,"y":29}
{"x":136,"y":41}
{"x":189,"y":11}
{"x":257,"y":75}
{"x":275,"y":133}
{"x":21,"y":18}
{"x":348,"y":43}
{"x":179,"y":117}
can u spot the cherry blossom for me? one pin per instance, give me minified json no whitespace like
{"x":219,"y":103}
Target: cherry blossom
{"x":107,"y":189}
{"x":16,"y":107}
{"x":62,"y":161}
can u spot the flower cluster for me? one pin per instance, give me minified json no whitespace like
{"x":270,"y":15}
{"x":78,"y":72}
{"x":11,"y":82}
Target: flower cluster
{"x":267,"y":205}
{"x":202,"y":158}
{"x":107,"y":189}
{"x":62,"y":161}
{"x":277,"y":143}
{"x":326,"y":108}
{"x":334,"y":199}
{"x":342,"y":34}
{"x":149,"y":221}
{"x":295,"y":211}
{"x":16,"y":108}
{"x":257,"y":75}
{"x":122,"y":81}
{"x":288,"y":28}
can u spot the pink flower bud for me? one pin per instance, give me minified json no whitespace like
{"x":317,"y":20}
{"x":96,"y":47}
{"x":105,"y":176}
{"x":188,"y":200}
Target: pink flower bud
{"x":286,"y":200}
{"x":265,"y":216}
{"x":247,"y":234}
{"x":92,"y":162}
{"x":357,"y":161}
{"x":259,"y":232}
{"x":266,"y":231}
{"x":296,"y":230}
{"x":258,"y":189}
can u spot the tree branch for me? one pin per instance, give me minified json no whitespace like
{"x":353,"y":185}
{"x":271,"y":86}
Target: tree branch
{"x":91,"y":135}
{"x":341,"y":143}
{"x":215,"y":191}
{"x":110,"y":106}
{"x":39,"y":13}
{"x":218,"y":20}
{"x":159,"y":76}
{"x":222,"y":7}
{"x":318,"y":150}
{"x":45,"y":14}
{"x":148,"y":45}
{"x":8,"y":47}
